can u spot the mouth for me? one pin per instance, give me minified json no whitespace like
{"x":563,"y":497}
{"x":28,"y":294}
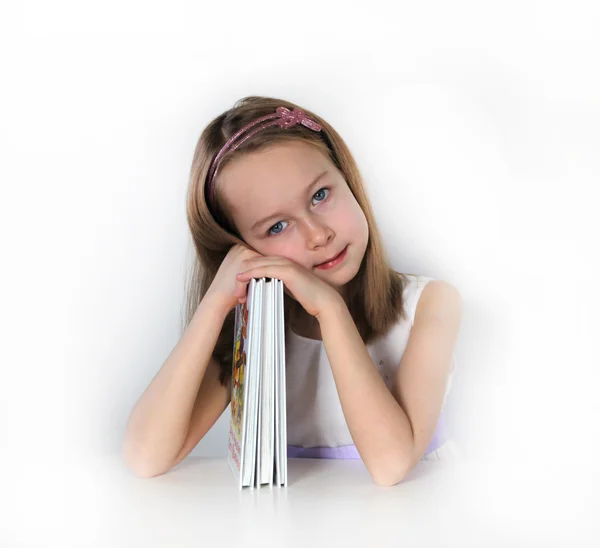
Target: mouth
{"x":330,"y":263}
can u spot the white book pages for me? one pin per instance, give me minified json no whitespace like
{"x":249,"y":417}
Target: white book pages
{"x":259,"y":391}
{"x":263,"y":389}
{"x":266,"y":397}
{"x":272,"y":400}
{"x":270,"y":386}
{"x":260,"y":291}
{"x":282,"y":387}
{"x":254,"y":379}
{"x":262,"y":441}
{"x":277,"y":389}
{"x":276,"y":394}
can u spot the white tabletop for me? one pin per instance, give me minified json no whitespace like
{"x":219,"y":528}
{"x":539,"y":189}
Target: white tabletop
{"x":327,"y":502}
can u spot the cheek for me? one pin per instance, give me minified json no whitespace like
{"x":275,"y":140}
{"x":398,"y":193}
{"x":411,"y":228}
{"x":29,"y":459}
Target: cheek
{"x":287,"y":247}
{"x":350,"y":220}
{"x":281,"y":247}
{"x":292,"y":248}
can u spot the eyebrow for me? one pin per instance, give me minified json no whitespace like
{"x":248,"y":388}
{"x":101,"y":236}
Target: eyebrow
{"x":278,"y":214}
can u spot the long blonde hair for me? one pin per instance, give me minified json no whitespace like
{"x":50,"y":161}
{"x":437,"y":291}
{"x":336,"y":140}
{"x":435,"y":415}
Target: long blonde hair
{"x":373,"y":296}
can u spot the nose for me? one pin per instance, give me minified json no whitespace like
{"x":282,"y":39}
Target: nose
{"x":317,"y":232}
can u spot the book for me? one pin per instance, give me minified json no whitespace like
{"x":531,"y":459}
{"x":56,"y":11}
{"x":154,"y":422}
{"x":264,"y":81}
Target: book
{"x":257,"y":447}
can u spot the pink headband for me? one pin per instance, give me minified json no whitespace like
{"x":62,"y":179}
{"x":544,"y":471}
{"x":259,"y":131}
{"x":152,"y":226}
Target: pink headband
{"x":282,"y":117}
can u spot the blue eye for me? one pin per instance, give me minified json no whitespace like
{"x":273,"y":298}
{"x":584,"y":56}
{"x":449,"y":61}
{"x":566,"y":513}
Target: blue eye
{"x":320,"y":190}
{"x":278,"y":223}
{"x":270,"y":233}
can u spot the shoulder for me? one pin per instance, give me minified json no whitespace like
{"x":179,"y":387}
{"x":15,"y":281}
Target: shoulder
{"x":439,"y":299}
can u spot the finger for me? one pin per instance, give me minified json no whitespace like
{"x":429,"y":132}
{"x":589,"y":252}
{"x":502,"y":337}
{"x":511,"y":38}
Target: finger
{"x":241,"y":288}
{"x":267,"y":271}
{"x":257,"y":262}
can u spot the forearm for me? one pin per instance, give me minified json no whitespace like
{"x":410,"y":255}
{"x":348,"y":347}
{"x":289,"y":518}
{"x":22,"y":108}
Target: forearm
{"x":379,"y":427}
{"x":159,"y":422}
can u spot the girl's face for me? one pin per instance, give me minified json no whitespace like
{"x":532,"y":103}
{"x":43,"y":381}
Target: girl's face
{"x":291,"y":201}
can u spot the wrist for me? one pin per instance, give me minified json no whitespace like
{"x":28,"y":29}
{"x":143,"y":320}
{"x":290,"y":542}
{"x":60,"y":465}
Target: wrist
{"x":215,"y":305}
{"x":332,"y":307}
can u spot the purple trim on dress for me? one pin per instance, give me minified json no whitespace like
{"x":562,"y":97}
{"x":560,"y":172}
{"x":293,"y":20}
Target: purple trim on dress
{"x":440,"y":436}
{"x":341,"y":452}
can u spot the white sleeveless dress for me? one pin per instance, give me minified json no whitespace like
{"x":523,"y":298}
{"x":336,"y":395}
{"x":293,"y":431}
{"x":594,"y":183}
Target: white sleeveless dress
{"x":316,"y":427}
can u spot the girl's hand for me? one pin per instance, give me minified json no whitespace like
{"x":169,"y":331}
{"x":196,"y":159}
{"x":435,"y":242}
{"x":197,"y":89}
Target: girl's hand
{"x":224,"y":286}
{"x":311,"y":292}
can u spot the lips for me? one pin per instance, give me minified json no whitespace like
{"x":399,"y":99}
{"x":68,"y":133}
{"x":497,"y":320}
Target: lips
{"x":332,"y":258}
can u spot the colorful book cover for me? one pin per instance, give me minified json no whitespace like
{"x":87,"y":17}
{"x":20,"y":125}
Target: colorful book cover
{"x":238,"y":385}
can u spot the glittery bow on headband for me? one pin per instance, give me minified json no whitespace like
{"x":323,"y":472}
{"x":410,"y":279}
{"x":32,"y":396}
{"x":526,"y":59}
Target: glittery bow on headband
{"x":289,"y":118}
{"x":283,"y":117}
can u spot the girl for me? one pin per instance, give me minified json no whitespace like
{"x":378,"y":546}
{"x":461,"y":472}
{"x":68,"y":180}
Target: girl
{"x":275,"y":192}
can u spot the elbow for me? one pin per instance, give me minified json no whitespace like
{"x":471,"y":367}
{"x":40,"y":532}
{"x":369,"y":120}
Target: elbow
{"x":387,"y":479}
{"x":390,"y":473}
{"x":141,"y":471}
{"x":139,"y":464}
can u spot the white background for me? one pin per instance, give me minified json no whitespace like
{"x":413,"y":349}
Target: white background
{"x":475,"y":126}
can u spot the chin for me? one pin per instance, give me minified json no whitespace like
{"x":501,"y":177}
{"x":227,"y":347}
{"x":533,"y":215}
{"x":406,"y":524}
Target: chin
{"x":339,"y":279}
